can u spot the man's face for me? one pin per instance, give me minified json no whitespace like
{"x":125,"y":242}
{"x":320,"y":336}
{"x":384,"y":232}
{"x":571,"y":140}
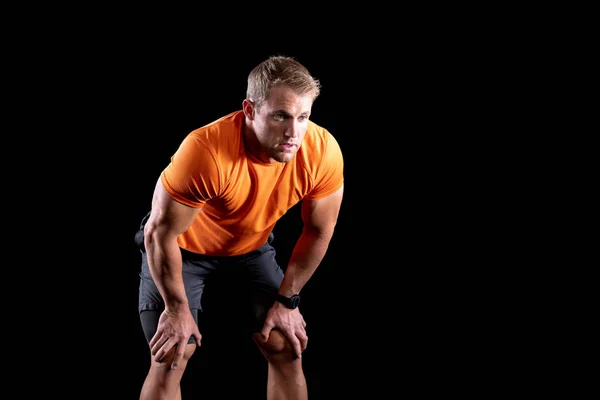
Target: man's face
{"x":281,"y":122}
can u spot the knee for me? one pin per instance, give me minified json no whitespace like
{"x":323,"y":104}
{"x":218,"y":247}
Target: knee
{"x":168,"y":359}
{"x":277,"y":348}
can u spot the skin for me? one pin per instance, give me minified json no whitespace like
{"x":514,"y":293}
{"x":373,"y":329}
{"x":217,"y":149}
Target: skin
{"x":281,"y":120}
{"x":273,"y":132}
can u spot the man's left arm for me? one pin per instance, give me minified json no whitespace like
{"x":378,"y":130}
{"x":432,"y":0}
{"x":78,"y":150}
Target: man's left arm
{"x":319,"y":218}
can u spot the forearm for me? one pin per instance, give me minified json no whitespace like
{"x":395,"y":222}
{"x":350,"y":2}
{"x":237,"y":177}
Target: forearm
{"x":164,"y":261}
{"x":306,"y":257}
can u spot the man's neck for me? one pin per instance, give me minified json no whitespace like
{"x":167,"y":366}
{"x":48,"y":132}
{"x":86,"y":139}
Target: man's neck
{"x":252,"y":145}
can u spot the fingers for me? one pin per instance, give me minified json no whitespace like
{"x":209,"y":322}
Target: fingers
{"x":266,"y":331}
{"x":297,"y":348}
{"x":293,"y":328}
{"x":157,"y":342}
{"x":302,"y":336}
{"x":296,"y":344}
{"x":297,"y":338}
{"x":155,"y":339}
{"x":159,"y":352}
{"x":161,"y":349}
{"x":198,"y":338}
{"x":161,"y":345}
{"x":299,"y":342}
{"x":179,"y":352}
{"x":303,"y":341}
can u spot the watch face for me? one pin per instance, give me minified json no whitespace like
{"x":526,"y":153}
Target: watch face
{"x":291,"y":302}
{"x":295,"y":301}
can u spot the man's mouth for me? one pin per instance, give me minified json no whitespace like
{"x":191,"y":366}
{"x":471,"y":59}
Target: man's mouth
{"x":287,"y":146}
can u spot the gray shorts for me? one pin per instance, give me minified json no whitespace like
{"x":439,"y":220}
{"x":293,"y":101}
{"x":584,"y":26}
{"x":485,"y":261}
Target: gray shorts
{"x":258,"y":270}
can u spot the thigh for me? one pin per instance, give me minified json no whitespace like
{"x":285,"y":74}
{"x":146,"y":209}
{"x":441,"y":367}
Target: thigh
{"x":263,"y":269}
{"x":194,"y":272}
{"x":150,"y":302}
{"x":149,"y":320}
{"x":265,"y":276}
{"x":195,"y":269}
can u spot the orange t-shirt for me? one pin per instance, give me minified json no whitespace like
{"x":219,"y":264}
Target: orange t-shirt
{"x":242,"y":198}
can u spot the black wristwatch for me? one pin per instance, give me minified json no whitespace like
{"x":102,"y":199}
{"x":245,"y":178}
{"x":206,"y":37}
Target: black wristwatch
{"x":289,"y":302}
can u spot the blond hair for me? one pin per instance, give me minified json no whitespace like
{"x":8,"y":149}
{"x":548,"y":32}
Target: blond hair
{"x":280,"y":70}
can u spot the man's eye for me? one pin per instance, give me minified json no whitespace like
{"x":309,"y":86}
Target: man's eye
{"x":279,"y":117}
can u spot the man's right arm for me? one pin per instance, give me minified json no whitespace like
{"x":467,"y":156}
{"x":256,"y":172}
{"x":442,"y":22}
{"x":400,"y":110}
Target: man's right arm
{"x":168,"y":219}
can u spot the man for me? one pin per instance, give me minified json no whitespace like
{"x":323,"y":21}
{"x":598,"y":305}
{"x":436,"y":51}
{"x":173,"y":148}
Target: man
{"x":215,"y":205}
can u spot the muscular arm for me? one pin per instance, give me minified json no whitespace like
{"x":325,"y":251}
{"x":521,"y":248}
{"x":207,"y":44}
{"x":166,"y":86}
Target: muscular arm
{"x":167,"y":221}
{"x":319,"y":218}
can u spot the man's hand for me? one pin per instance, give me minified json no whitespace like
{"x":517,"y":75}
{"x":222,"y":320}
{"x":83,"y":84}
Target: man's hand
{"x":290,"y":323}
{"x":174,"y":329}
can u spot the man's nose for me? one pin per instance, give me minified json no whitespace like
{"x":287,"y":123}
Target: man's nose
{"x":293,"y":130}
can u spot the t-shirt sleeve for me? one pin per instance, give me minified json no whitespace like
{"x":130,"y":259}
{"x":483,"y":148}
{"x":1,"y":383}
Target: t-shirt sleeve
{"x":330,"y":175}
{"x":192,"y":177}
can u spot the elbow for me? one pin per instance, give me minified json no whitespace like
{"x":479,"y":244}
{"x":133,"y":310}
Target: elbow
{"x":149,"y":235}
{"x":320,"y":232}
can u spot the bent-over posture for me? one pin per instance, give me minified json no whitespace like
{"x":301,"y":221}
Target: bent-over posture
{"x":215,"y":206}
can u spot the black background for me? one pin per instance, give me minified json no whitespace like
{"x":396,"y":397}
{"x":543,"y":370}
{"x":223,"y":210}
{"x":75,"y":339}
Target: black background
{"x":372,"y":307}
{"x":391,"y":304}
{"x":437,"y":112}
{"x":190,"y":92}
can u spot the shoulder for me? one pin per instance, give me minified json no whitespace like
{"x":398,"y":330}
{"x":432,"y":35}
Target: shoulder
{"x":224,"y":129}
{"x":203,"y":162}
{"x":211,"y":148}
{"x":319,"y":144}
{"x":322,"y":159}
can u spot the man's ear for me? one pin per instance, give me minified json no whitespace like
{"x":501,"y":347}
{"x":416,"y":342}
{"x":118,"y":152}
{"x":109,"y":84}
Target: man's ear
{"x":248,"y":108}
